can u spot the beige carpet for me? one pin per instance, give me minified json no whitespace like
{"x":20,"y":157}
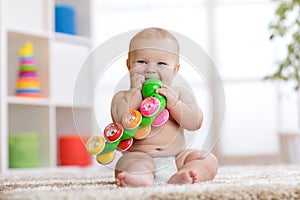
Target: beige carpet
{"x":239,"y":182}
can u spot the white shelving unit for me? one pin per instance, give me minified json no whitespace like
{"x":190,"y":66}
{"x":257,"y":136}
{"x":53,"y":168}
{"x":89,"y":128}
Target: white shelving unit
{"x":58,"y":58}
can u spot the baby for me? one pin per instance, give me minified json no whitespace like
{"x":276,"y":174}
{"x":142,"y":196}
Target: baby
{"x":154,"y":53}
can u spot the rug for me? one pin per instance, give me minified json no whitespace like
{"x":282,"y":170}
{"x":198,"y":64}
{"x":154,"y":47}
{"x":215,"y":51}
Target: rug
{"x":231,"y":182}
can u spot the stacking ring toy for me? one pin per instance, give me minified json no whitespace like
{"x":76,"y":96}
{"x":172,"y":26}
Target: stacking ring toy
{"x":150,"y":87}
{"x":106,"y":158}
{"x":142,"y":132}
{"x":95,"y":145}
{"x":162,"y":118}
{"x":113,"y":132}
{"x":149,"y":106}
{"x":132,"y":119}
{"x":135,"y":125}
{"x":125,"y":144}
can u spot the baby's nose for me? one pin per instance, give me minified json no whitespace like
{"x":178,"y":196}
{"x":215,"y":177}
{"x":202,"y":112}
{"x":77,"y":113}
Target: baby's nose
{"x":151,"y":68}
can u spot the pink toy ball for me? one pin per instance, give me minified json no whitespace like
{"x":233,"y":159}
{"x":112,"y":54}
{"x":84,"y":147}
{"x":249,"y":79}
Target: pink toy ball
{"x":113,"y":132}
{"x":149,"y":106}
{"x":161,"y":118}
{"x":125,"y":144}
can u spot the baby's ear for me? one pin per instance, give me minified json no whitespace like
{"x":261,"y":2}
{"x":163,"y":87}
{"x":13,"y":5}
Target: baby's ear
{"x":127,"y":64}
{"x":176,"y":69}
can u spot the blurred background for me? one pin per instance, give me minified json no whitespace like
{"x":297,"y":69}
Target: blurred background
{"x":235,"y":35}
{"x":257,"y":119}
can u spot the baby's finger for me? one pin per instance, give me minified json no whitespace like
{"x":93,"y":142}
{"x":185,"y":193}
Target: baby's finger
{"x":166,"y":91}
{"x":169,"y":94}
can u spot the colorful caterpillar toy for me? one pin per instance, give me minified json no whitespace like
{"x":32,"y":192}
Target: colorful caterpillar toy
{"x":135,"y":124}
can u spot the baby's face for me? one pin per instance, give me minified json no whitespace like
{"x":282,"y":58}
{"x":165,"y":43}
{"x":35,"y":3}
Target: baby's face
{"x":153,"y":63}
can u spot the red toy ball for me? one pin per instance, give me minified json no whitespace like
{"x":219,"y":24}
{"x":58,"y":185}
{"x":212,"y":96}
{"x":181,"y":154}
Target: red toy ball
{"x":125,"y":144}
{"x":113,"y":132}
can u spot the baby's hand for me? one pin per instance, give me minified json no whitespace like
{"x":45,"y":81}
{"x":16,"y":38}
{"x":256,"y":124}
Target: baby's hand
{"x":137,"y":81}
{"x":171,"y":96}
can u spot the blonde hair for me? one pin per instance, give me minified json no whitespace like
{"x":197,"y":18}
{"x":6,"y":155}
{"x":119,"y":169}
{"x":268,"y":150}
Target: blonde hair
{"x":155,"y":33}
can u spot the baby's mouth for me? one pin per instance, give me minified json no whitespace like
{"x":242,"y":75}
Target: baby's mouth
{"x":147,"y":77}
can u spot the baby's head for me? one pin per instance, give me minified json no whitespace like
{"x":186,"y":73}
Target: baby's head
{"x":154,"y":38}
{"x":154,"y":53}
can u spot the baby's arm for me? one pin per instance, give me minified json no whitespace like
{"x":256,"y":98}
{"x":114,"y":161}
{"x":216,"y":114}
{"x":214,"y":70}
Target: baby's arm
{"x":183,"y":107}
{"x":124,"y":101}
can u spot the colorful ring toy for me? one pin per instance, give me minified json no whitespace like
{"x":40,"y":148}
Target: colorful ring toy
{"x":113,"y":132}
{"x":149,"y":106}
{"x":150,"y":87}
{"x":135,"y":124}
{"x":161,"y":118}
{"x":125,"y":144}
{"x":142,"y":132}
{"x":106,"y":158}
{"x":132,"y":119}
{"x":95,"y":145}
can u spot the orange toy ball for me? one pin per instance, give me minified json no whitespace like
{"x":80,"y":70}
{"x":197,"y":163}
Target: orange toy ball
{"x":131,"y":119}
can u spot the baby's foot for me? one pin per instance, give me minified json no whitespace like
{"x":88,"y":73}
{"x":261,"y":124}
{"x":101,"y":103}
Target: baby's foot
{"x":125,"y":179}
{"x":184,"y":177}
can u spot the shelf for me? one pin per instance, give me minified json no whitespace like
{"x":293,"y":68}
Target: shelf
{"x":73,"y":120}
{"x":32,"y":118}
{"x":42,"y":170}
{"x":74,"y":39}
{"x":28,"y":101}
{"x":27,"y":15}
{"x":70,"y":105}
{"x":82,"y":13}
{"x":58,"y":58}
{"x":61,"y":37}
{"x":29,"y":33}
{"x":66,"y":60}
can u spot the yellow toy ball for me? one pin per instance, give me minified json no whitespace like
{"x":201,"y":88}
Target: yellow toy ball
{"x":95,"y":145}
{"x":106,"y":158}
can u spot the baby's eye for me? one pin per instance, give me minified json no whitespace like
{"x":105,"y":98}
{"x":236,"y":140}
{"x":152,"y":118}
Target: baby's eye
{"x":162,"y":63}
{"x":142,"y":62}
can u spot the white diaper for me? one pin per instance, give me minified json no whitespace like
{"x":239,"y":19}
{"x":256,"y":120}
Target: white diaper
{"x":165,"y":167}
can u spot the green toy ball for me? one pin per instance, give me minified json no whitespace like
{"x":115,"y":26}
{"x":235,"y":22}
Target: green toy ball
{"x":150,"y":87}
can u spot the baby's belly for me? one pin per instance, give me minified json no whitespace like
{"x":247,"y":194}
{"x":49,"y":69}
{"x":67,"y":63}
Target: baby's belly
{"x":162,"y":141}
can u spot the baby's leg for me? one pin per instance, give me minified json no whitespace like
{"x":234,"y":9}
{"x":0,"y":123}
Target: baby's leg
{"x":193,"y":167}
{"x":135,"y":169}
